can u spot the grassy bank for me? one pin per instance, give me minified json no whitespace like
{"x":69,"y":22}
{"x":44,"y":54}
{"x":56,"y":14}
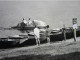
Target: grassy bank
{"x":70,"y":56}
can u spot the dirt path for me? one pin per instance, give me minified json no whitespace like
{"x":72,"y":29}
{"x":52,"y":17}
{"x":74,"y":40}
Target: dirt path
{"x":57,"y":48}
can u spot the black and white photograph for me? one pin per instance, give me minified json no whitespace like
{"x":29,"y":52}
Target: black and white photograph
{"x":39,"y":30}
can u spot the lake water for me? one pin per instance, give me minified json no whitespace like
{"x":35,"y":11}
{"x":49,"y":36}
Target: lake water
{"x":54,"y":13}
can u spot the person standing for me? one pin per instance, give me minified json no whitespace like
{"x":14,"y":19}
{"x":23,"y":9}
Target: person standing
{"x":48,"y":34}
{"x":23,"y":24}
{"x":24,"y":21}
{"x":37,"y":35}
{"x":30,"y":23}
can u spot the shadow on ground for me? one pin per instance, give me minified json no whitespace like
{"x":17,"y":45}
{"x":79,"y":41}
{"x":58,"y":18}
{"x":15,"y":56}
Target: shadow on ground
{"x":30,"y":42}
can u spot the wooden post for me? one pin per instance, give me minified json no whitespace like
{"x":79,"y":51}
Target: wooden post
{"x":74,"y":34}
{"x":64,"y":31}
{"x":74,"y":27}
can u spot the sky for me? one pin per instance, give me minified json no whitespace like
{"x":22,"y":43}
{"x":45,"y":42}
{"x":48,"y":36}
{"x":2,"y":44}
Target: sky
{"x":54,"y":13}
